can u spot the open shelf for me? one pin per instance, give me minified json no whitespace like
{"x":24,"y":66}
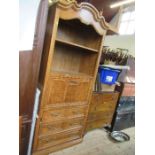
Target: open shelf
{"x":75,"y":33}
{"x":76,"y":49}
{"x":69,"y":60}
{"x":76,"y":45}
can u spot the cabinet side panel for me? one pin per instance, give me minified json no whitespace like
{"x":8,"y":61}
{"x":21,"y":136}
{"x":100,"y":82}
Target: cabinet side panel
{"x":51,"y":29}
{"x":47,"y":41}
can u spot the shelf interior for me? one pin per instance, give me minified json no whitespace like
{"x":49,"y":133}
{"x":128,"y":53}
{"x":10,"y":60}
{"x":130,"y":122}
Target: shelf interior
{"x":73,"y":61}
{"x":76,"y":48}
{"x":74,"y":45}
{"x":76,"y":33}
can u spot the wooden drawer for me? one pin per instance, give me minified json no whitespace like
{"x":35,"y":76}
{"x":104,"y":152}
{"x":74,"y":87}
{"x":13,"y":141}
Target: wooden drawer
{"x":67,"y":89}
{"x":104,"y":106}
{"x":63,"y":113}
{"x":59,"y":126}
{"x":57,"y":139}
{"x":98,"y":123}
{"x":100,"y":115}
{"x":101,"y":109}
{"x":100,"y":97}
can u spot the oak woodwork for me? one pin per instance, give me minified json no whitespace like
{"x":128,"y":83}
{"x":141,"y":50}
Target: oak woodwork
{"x":72,"y":49}
{"x":61,"y":125}
{"x":103,"y":7}
{"x":58,"y":138}
{"x":56,"y":114}
{"x":66,"y":60}
{"x":29,"y":62}
{"x":70,"y":90}
{"x":75,"y":45}
{"x":102,"y":108}
{"x":82,"y":39}
{"x":112,"y":16}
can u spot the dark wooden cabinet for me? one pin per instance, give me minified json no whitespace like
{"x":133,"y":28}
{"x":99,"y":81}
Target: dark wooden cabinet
{"x":102,"y":108}
{"x":29,"y":65}
{"x":72,"y":49}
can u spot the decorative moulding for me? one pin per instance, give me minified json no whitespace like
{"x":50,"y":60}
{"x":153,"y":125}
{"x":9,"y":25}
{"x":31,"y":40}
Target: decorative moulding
{"x":87,"y":14}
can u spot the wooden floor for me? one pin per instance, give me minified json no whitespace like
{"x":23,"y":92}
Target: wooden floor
{"x":97,"y":142}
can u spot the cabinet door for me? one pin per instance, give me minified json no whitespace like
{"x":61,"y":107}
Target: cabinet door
{"x":78,"y":90}
{"x":66,"y":90}
{"x":56,"y":90}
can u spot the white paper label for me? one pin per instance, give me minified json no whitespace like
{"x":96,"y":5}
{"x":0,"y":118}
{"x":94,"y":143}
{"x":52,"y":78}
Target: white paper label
{"x":109,"y":78}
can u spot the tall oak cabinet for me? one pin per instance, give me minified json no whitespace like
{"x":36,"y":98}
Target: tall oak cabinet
{"x":72,"y":48}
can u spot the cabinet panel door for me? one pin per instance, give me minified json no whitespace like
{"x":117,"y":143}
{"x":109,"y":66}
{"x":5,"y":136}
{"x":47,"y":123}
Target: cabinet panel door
{"x":78,"y":90}
{"x":56,"y":89}
{"x":67,"y":90}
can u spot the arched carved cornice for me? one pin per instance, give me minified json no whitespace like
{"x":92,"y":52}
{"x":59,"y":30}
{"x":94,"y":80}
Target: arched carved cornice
{"x":85,"y":12}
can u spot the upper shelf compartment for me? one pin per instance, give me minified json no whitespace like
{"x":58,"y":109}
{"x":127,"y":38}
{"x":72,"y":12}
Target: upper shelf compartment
{"x":87,"y":14}
{"x":75,"y":45}
{"x":74,"y":33}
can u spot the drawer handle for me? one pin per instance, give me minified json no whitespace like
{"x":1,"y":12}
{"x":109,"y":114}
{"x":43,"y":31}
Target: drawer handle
{"x":105,"y":102}
{"x":75,"y":112}
{"x":73,"y":83}
{"x":47,"y":140}
{"x":44,"y":141}
{"x":51,"y":127}
{"x":54,"y":114}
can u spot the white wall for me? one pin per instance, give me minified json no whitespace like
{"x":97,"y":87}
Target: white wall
{"x":121,"y":41}
{"x":28,"y":10}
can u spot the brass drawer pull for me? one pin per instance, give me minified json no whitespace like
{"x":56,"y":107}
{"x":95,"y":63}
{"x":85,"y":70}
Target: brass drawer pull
{"x":73,"y":82}
{"x":47,"y":140}
{"x":51,"y":127}
{"x":105,"y":102}
{"x":54,"y":114}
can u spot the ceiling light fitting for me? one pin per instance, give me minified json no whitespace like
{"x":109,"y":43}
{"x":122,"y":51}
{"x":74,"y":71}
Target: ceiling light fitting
{"x":117,"y":4}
